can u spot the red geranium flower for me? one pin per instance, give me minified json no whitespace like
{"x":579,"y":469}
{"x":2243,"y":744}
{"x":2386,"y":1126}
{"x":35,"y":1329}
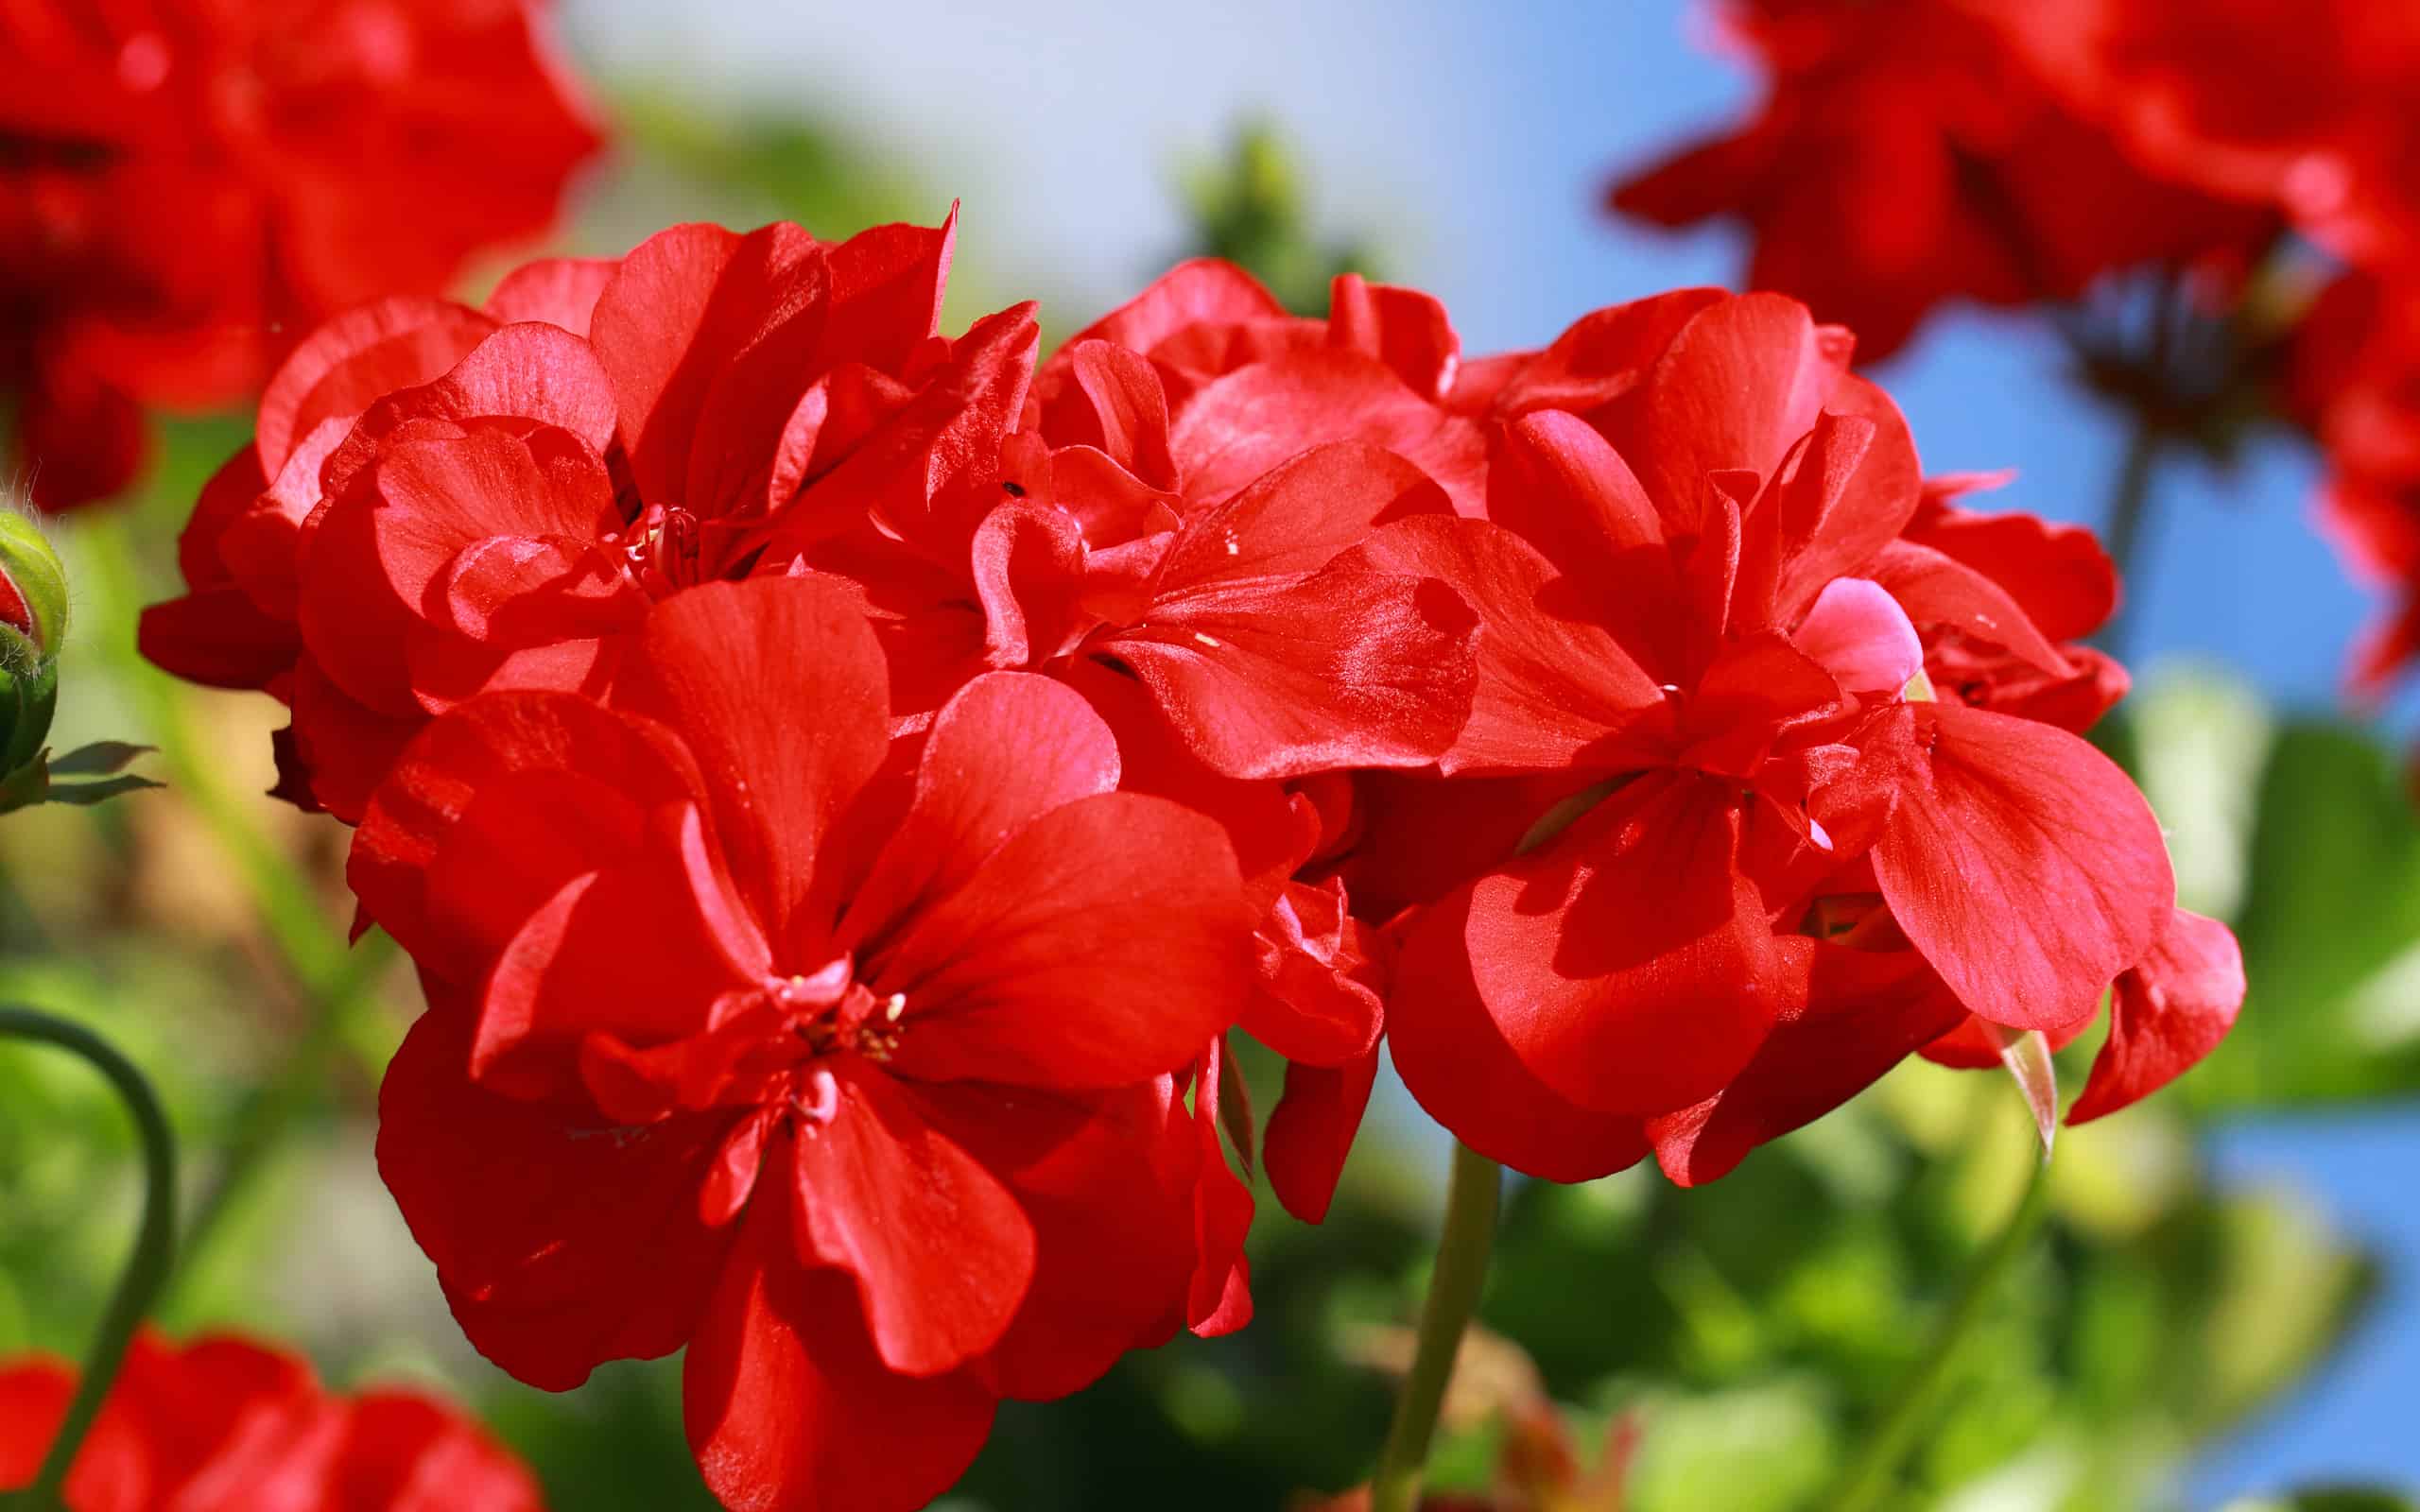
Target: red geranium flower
{"x":1910,"y":152}
{"x":2304,"y":107}
{"x":184,"y":189}
{"x":1243,"y":385}
{"x":2355,"y":386}
{"x":443,"y":501}
{"x":222,"y":1425}
{"x":854,"y":1079}
{"x":1751,"y":872}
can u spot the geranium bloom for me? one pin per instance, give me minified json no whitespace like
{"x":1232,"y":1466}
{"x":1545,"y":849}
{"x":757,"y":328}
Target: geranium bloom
{"x":185,"y":188}
{"x":1910,"y":152}
{"x":851,"y":1074}
{"x":2355,"y":386}
{"x":1756,"y":855}
{"x":223,"y":1425}
{"x":1172,"y":531}
{"x":2304,"y":107}
{"x":442,"y":500}
{"x":1244,"y":385}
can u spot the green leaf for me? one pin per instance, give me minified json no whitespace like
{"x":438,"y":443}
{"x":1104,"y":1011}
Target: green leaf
{"x":100,"y":758}
{"x":2330,"y":1499}
{"x":87,"y":794}
{"x":2330,"y":916}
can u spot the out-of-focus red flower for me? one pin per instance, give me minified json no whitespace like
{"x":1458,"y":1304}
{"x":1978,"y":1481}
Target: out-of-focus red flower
{"x":223,"y":1425}
{"x":2354,"y":384}
{"x":2306,"y":106}
{"x":853,"y":1074}
{"x":185,"y":189}
{"x":442,"y":500}
{"x":1908,"y":153}
{"x":1752,"y":853}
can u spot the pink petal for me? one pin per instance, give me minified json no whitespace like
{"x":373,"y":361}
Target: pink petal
{"x":1858,"y":633}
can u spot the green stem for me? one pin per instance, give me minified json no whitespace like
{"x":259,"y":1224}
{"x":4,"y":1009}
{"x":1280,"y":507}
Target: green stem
{"x":1453,"y":1296}
{"x":1872,"y":1471}
{"x":2130,"y":507}
{"x":147,"y":1269}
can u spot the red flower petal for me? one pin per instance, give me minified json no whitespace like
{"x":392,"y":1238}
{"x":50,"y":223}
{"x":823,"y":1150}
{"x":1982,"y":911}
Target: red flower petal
{"x":1113,"y":1234}
{"x":1236,"y":428}
{"x":1455,"y":1061}
{"x":357,"y":359}
{"x":788,"y":1405}
{"x":778,"y":688}
{"x":1098,"y":947}
{"x":1629,"y":963}
{"x":1220,"y":1301}
{"x":2024,"y":865}
{"x":940,"y":1250}
{"x":559,"y":1246}
{"x":434,"y":783}
{"x":1554,"y":686}
{"x":1310,"y":1131}
{"x":1006,"y":750}
{"x":559,"y":290}
{"x":2166,"y":1012}
{"x":1866,"y":1012}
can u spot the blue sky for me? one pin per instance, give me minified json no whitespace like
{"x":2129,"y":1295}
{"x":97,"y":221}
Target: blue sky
{"x":1471,"y":140}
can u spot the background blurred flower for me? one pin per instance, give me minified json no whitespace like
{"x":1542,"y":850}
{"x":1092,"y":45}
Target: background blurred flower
{"x":222,"y":1424}
{"x":185,"y":188}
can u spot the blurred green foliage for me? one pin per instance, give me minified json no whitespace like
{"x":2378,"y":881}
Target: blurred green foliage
{"x":1250,"y":206}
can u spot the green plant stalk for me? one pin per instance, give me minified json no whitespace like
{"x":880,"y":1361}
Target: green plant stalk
{"x":2129,"y":510}
{"x":1453,"y":1296}
{"x":147,"y":1269}
{"x":1874,"y":1470}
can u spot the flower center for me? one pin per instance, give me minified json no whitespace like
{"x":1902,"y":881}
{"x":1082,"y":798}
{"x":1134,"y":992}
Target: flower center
{"x":830,"y":1013}
{"x":660,"y":550}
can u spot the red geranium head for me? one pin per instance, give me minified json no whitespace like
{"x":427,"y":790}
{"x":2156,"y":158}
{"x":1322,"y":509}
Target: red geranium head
{"x":1751,"y":852}
{"x":442,"y":500}
{"x":1910,"y":152}
{"x":184,"y":189}
{"x":224,"y":1425}
{"x":851,"y":1073}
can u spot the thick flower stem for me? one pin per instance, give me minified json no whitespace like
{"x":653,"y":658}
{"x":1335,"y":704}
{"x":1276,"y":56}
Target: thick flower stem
{"x":147,"y":1269}
{"x":1453,"y":1296}
{"x":1874,"y":1470}
{"x":2129,"y":508}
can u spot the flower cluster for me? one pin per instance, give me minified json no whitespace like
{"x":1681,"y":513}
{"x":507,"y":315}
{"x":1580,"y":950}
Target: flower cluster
{"x":1909,"y":153}
{"x":223,"y":1425}
{"x":843,"y":786}
{"x":186,"y":188}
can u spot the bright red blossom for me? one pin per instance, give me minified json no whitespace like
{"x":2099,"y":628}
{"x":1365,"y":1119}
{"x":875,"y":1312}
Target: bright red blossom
{"x":223,"y":1425}
{"x":1753,"y":873}
{"x":444,"y":500}
{"x":844,"y":788}
{"x":1911,"y":153}
{"x":874,"y":1115}
{"x":185,"y":188}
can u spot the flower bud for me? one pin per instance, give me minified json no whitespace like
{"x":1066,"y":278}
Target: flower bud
{"x":33,"y":622}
